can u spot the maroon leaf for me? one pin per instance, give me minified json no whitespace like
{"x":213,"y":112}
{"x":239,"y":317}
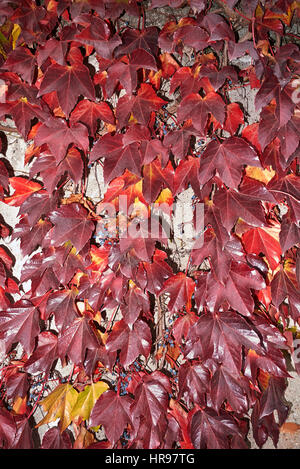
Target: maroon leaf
{"x":23,"y":113}
{"x":97,"y":34}
{"x":157,"y":272}
{"x":180,"y":287}
{"x":58,"y":136}
{"x":7,"y":428}
{"x":126,"y":74}
{"x":75,"y":340}
{"x":118,"y":157}
{"x":228,"y":158}
{"x":273,"y":399}
{"x":131,"y":341}
{"x":44,"y":355}
{"x":221,"y":337}
{"x":234,"y":205}
{"x":227,"y":386}
{"x":148,"y":411}
{"x":89,"y":112}
{"x":54,"y":439}
{"x":140,"y":106}
{"x":68,"y":82}
{"x":134,"y":39}
{"x":198,"y":109}
{"x":71,"y":223}
{"x":20,"y":323}
{"x":212,"y":430}
{"x":113,"y":412}
{"x":21,"y":61}
{"x":17,"y":384}
{"x":62,"y":305}
{"x":218,"y":77}
{"x":193,"y":381}
{"x":284,"y":285}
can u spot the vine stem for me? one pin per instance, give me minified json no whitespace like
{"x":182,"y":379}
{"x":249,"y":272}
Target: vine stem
{"x":111,"y":318}
{"x":188,"y":262}
{"x":6,"y":128}
{"x":38,"y":399}
{"x":235,"y":10}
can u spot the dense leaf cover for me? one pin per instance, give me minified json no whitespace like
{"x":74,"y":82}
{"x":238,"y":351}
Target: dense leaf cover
{"x":160,"y":356}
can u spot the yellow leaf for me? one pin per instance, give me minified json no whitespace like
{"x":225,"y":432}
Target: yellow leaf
{"x":15,"y":34}
{"x":86,"y":399}
{"x":59,"y":405}
{"x":262,"y":175}
{"x":165,"y":197}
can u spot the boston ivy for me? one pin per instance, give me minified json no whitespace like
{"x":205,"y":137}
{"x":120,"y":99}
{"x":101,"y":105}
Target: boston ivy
{"x":160,"y":355}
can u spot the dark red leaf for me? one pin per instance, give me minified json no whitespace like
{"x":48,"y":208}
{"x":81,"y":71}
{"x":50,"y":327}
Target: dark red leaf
{"x":71,"y":223}
{"x":68,"y":82}
{"x":228,"y":158}
{"x":113,"y":412}
{"x":131,"y":341}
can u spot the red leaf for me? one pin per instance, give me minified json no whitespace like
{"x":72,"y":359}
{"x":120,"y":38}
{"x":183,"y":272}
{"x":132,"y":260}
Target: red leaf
{"x":71,"y":223}
{"x":230,"y":387}
{"x":187,"y":80}
{"x":136,"y":302}
{"x":260,"y":240}
{"x":131,"y":341}
{"x":69,"y":82}
{"x":234,"y":118}
{"x":198,"y":109}
{"x":187,"y":172}
{"x":218,"y":77}
{"x":148,"y":410}
{"x":97,"y":34}
{"x":228,"y":158}
{"x":24,"y":112}
{"x":54,"y":439}
{"x":62,"y":305}
{"x":89,"y":113}
{"x":234,"y":205}
{"x":284,"y":285}
{"x":20,"y":323}
{"x":180,"y":287}
{"x":126,"y":74}
{"x":21,"y":61}
{"x":140,"y":106}
{"x":221,"y":337}
{"x":75,"y":340}
{"x":155,"y":179}
{"x":113,"y":412}
{"x":118,"y":157}
{"x":23,"y":189}
{"x":134,"y":39}
{"x":157,"y":272}
{"x":193,"y":381}
{"x":44,"y":355}
{"x":52,"y":48}
{"x":58,"y":136}
{"x":211,"y":430}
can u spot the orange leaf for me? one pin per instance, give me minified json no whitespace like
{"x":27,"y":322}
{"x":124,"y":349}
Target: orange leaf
{"x":23,"y":189}
{"x":266,"y":241}
{"x":262,"y":175}
{"x":99,"y":258}
{"x":289,"y":427}
{"x":19,"y":406}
